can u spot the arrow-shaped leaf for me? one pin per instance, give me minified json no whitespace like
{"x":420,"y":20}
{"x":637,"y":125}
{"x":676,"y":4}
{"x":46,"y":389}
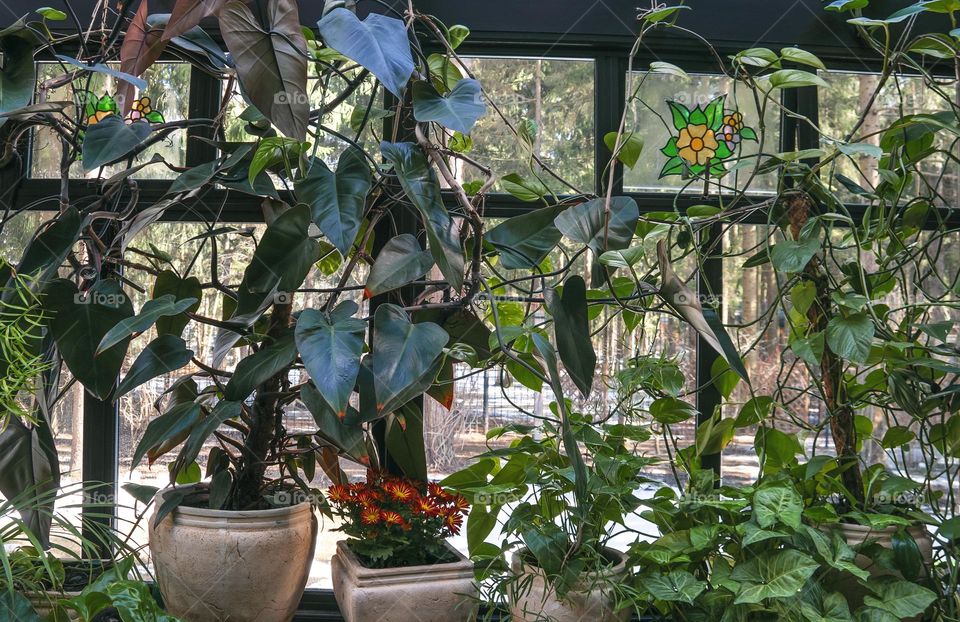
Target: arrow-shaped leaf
{"x":151,"y":311}
{"x":572,"y":329}
{"x":331,"y":349}
{"x":459,"y":110}
{"x":260,"y":367}
{"x":400,"y":262}
{"x":164,"y":354}
{"x":337,"y":199}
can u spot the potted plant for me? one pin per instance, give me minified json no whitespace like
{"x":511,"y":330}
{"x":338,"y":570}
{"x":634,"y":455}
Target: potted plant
{"x":557,"y":507}
{"x":396,"y":561}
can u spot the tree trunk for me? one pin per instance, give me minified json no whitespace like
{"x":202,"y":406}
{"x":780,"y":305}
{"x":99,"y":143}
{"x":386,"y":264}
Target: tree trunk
{"x":265,"y":413}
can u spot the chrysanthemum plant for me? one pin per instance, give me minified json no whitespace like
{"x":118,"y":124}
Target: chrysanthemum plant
{"x":395,"y":521}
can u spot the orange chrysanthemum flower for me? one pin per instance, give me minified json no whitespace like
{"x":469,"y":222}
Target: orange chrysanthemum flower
{"x":460,"y":503}
{"x":427,"y":507}
{"x":400,"y":491}
{"x":453,"y":521}
{"x":437,"y":491}
{"x":339,"y":494}
{"x":370,"y":515}
{"x":391,"y":518}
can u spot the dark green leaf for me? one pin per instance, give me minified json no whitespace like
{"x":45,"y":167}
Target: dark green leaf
{"x":152,"y":310}
{"x":400,"y":262}
{"x":404,"y":441}
{"x":337,"y":200}
{"x":173,"y":425}
{"x":588,"y":223}
{"x":378,"y":43}
{"x":272,"y":64}
{"x":631,"y":146}
{"x":343,"y":434}
{"x":572,"y":330}
{"x":458,"y":110}
{"x":330,"y":348}
{"x":851,"y":337}
{"x":524,"y":241}
{"x":169,"y":283}
{"x":420,"y":184}
{"x":51,"y":245}
{"x":259,"y":367}
{"x":285,"y":254}
{"x":523,"y":188}
{"x":110,"y":140}
{"x":163,"y":355}
{"x":78,"y":326}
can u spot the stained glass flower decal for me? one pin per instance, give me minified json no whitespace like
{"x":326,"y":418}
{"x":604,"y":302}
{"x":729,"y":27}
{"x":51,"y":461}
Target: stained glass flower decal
{"x":143,"y":109}
{"x":98,"y":108}
{"x":706,"y":137}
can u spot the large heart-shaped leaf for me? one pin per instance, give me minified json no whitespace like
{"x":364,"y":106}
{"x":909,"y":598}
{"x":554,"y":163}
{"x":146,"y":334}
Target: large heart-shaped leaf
{"x":773,"y":574}
{"x":379,"y":43}
{"x":458,"y":110}
{"x":337,"y":199}
{"x":524,"y":241}
{"x":173,"y":425}
{"x":18,"y":73}
{"x":271,"y":64}
{"x":50,"y":246}
{"x":777,"y":504}
{"x":675,"y":586}
{"x":572,"y":329}
{"x":420,"y":184}
{"x":850,"y":337}
{"x":163,"y":355}
{"x":400,"y":262}
{"x":110,"y":140}
{"x":588,"y":223}
{"x":285,"y":254}
{"x":152,"y":310}
{"x":330,"y":348}
{"x":403,"y":353}
{"x":187,"y":14}
{"x":79,"y":324}
{"x":169,"y":283}
{"x":257,"y":368}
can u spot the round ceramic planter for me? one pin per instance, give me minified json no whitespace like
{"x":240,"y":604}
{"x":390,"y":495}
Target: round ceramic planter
{"x":435,"y":593}
{"x":587,"y":602}
{"x":215,"y":565}
{"x":856,"y":535}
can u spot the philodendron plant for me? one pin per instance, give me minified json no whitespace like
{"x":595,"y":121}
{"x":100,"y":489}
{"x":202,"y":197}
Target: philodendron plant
{"x":397,"y":311}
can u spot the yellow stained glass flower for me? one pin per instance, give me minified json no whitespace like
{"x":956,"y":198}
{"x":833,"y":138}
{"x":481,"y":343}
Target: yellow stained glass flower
{"x":98,"y":116}
{"x":734,"y":120}
{"x":697,"y":144}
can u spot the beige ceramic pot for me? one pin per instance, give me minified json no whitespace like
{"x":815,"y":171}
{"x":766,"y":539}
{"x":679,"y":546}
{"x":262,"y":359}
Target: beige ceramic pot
{"x":436,"y":593}
{"x":536,"y":601}
{"x":218,"y":566}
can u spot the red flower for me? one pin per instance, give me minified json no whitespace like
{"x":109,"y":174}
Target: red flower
{"x":427,"y":507}
{"x":392,"y":518}
{"x":367,"y":498}
{"x":437,"y":491}
{"x":339,"y":494}
{"x":370,"y":515}
{"x":453,"y":521}
{"x":400,"y":491}
{"x":460,"y":503}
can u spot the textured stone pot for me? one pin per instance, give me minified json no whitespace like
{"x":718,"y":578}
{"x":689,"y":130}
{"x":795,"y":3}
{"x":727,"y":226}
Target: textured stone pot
{"x":536,"y":601}
{"x":215,"y":565}
{"x":856,"y":535}
{"x":435,"y":593}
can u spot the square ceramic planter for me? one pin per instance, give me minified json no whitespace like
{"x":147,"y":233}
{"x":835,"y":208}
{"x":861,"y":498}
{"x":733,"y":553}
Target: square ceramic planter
{"x":434,"y":593}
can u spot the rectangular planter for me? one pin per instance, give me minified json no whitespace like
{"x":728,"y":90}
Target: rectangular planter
{"x":434,"y":593}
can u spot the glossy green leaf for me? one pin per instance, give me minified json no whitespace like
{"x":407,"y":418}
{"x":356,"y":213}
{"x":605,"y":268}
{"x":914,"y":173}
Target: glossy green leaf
{"x":405,"y":441}
{"x":903,"y":599}
{"x":110,"y":140}
{"x":163,"y":355}
{"x":337,"y":200}
{"x":49,"y":248}
{"x":169,"y":283}
{"x":674,"y":586}
{"x":670,"y":410}
{"x":631,"y":146}
{"x":17,"y":73}
{"x":523,"y":188}
{"x":588,"y":223}
{"x":175,"y":424}
{"x":419,"y":183}
{"x":223,"y":411}
{"x":152,"y":311}
{"x":756,"y":409}
{"x":345,"y":436}
{"x":777,"y":504}
{"x":404,"y":354}
{"x":285,"y":254}
{"x":572,"y":331}
{"x":458,"y":110}
{"x":524,"y":241}
{"x":378,"y":43}
{"x":401,"y":261}
{"x":772,"y":574}
{"x":271,"y":64}
{"x":259,"y":367}
{"x":802,"y":57}
{"x":794,"y":78}
{"x":330,"y":348}
{"x":79,"y":323}
{"x":850,"y":337}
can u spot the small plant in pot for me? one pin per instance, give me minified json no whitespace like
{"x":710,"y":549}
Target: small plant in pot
{"x":556,"y":511}
{"x":396,"y":563}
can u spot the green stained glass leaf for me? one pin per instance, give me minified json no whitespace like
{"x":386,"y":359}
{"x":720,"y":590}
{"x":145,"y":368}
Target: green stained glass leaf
{"x":714,"y":113}
{"x":681,"y":115}
{"x":670,"y":149}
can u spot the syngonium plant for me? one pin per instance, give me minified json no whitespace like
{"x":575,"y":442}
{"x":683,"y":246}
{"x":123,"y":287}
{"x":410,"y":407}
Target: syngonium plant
{"x":472,"y":296}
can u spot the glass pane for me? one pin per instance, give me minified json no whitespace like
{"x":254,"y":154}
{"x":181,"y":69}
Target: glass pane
{"x":555,"y":95}
{"x":343,"y":119}
{"x":168,"y":87}
{"x":651,"y":118}
{"x":852,"y":96}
